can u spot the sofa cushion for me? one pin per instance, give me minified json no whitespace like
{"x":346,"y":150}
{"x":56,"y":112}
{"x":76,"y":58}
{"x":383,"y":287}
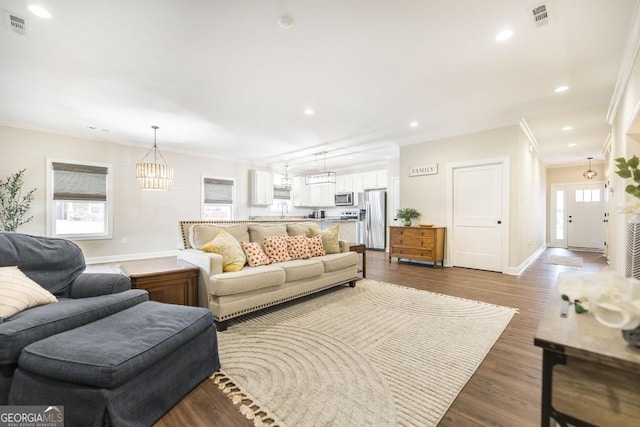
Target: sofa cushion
{"x":254,"y":253}
{"x":315,"y":246}
{"x":276,"y":248}
{"x":50,"y":262}
{"x":18,"y":292}
{"x":300,"y":269}
{"x":335,"y":262}
{"x":330,"y":240}
{"x":118,"y":347}
{"x":40,"y":322}
{"x":246,"y":280}
{"x":258,"y":232}
{"x":201,"y":234}
{"x":233,"y":258}
{"x":301,"y":228}
{"x":298,"y":247}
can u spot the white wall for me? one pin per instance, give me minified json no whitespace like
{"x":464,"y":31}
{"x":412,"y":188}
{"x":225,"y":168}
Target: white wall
{"x":428,"y":195}
{"x":625,"y":142}
{"x":147,"y":220}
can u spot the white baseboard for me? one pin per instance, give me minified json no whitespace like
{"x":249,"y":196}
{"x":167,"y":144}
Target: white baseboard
{"x":516,"y":271}
{"x":129,"y":257}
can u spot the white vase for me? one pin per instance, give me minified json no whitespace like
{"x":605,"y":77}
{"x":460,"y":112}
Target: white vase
{"x":633,"y":247}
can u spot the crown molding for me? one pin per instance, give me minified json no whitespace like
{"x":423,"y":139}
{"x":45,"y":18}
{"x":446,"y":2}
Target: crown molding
{"x":628,"y":60}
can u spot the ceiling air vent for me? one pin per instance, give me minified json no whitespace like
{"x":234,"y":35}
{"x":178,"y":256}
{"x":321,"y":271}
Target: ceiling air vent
{"x":540,"y":15}
{"x":16,"y":23}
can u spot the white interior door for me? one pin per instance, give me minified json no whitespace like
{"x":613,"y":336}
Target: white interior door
{"x":478,"y":222}
{"x":577,"y":215}
{"x":585,"y":215}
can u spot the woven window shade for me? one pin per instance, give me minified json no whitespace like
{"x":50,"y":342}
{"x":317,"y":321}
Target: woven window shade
{"x":218,"y":191}
{"x":79,"y":182}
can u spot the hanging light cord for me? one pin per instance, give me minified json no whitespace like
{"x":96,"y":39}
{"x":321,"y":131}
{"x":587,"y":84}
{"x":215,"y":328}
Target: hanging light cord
{"x":155,"y":149}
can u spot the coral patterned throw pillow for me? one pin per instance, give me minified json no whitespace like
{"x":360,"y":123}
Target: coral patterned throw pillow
{"x":298,"y":247}
{"x":255,"y":254}
{"x":276,"y":248}
{"x":315,"y":245}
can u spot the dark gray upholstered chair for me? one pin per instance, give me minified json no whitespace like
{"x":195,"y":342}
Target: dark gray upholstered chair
{"x":57,"y":265}
{"x":103,"y":351}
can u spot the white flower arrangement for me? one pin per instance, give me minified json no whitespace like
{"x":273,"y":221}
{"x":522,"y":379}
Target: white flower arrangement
{"x":631,"y":207}
{"x":613,"y":299}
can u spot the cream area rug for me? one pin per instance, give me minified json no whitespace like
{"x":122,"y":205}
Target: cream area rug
{"x":571,"y":261}
{"x":375,"y":355}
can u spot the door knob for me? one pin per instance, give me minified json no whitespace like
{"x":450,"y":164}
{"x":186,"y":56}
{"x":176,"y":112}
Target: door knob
{"x":499,"y":222}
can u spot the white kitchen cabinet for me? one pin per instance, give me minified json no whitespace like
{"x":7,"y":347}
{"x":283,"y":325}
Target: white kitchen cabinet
{"x":358,"y":185}
{"x":314,"y":196}
{"x":261,"y":187}
{"x":344,"y":183}
{"x":348,"y":231}
{"x":381,"y":178}
{"x":374,"y":179}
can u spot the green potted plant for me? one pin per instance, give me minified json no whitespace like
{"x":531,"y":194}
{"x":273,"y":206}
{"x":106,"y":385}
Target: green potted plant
{"x":14,"y":205}
{"x":406,"y":215}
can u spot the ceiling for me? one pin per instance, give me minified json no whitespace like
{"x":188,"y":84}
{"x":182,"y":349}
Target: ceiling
{"x":225,"y":78}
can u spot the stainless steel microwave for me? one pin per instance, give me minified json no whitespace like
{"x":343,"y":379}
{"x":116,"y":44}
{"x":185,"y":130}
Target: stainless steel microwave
{"x":344,"y":199}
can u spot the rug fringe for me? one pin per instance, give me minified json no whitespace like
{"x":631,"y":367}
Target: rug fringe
{"x":248,"y":407}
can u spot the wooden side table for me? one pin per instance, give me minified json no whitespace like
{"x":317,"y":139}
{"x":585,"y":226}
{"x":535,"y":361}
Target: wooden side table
{"x":590,"y":375}
{"x":167,"y":280}
{"x":361,"y":249}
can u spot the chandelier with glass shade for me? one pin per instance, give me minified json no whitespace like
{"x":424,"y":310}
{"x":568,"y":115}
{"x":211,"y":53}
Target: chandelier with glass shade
{"x":154,"y":176}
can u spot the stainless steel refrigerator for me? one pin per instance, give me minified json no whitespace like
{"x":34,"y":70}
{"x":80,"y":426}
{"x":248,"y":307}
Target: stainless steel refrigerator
{"x":372,"y":223}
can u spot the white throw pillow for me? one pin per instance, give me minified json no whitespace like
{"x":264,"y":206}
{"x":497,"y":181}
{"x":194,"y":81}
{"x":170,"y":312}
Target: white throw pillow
{"x":18,"y":292}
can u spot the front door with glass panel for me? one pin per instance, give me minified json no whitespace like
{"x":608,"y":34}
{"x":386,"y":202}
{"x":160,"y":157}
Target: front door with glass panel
{"x":577,"y":215}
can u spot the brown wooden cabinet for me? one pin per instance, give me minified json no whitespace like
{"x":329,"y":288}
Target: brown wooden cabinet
{"x":167,"y":280}
{"x":417,"y":243}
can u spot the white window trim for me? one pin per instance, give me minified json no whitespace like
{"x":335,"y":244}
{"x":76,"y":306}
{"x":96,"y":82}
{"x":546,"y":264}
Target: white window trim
{"x":50,"y":202}
{"x":233,"y":194}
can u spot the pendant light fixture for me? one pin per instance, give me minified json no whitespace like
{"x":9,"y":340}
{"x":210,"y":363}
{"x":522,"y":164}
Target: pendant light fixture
{"x":324,"y":177}
{"x":154,"y":176}
{"x":286,"y":181}
{"x":590,"y":173}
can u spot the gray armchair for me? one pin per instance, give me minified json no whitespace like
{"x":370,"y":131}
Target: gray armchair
{"x":57,"y":265}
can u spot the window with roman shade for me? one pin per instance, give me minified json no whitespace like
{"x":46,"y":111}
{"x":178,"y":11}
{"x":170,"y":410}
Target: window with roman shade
{"x":79,"y":182}
{"x":80,"y":204}
{"x":218,"y":196}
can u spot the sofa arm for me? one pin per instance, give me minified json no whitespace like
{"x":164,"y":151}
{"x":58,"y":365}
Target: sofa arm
{"x":208,"y":263}
{"x":344,"y":245}
{"x":96,"y":284}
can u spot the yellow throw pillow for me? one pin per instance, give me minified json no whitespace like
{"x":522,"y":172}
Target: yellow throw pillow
{"x":233,"y":257}
{"x":330,"y":240}
{"x":18,"y":292}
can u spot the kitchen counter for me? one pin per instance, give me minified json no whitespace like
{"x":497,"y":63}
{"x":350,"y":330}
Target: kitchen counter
{"x":299,"y":218}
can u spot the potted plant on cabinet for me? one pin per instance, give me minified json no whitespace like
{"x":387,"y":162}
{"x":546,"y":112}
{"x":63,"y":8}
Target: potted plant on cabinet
{"x":406,"y":215}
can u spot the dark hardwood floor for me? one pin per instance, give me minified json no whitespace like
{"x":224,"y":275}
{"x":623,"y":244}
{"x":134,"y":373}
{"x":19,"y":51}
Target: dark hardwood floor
{"x":504,"y":391}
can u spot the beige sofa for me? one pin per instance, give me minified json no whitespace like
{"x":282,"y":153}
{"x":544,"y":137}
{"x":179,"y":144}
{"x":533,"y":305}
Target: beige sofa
{"x":231,"y":294}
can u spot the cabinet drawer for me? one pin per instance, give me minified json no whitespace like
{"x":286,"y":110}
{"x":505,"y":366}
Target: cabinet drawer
{"x":413,"y":241}
{"x":413,"y":253}
{"x":413,"y":231}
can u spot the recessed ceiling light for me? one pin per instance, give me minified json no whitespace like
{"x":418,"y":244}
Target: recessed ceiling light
{"x":504,"y":35}
{"x":414,"y":124}
{"x":573,"y":144}
{"x":567,"y":128}
{"x":562,"y":88}
{"x":309,"y":112}
{"x":39,"y":11}
{"x":286,"y":21}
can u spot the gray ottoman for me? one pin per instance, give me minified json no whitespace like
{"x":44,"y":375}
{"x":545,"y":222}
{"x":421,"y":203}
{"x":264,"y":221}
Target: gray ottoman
{"x":127,"y":369}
